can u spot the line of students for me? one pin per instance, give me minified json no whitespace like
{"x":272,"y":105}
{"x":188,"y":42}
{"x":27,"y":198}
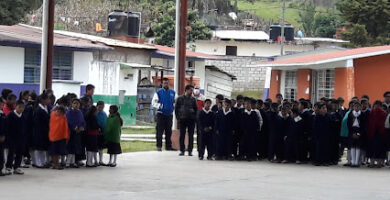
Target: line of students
{"x":296,"y":132}
{"x":45,"y":133}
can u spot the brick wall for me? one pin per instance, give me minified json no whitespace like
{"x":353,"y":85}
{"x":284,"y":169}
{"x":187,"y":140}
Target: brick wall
{"x":248,"y":78}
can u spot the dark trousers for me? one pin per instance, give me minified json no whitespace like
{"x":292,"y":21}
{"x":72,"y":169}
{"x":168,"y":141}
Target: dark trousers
{"x":205,"y":141}
{"x":237,"y":144}
{"x":275,"y":148}
{"x":1,"y":157}
{"x":164,"y":124}
{"x":187,"y":124}
{"x":15,"y":155}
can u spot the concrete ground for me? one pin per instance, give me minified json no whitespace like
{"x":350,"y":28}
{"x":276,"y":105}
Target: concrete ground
{"x":165,"y":175}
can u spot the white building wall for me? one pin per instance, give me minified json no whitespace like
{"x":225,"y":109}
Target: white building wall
{"x":200,"y":71}
{"x":81,"y":65}
{"x":12,"y":64}
{"x":105,"y":77}
{"x":259,"y":49}
{"x":217,"y":83}
{"x":64,"y":87}
{"x":129,"y":84}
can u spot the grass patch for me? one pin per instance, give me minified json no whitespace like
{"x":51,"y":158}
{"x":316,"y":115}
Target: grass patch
{"x":252,"y":94}
{"x":139,"y":131}
{"x":271,"y":11}
{"x":137,"y":146}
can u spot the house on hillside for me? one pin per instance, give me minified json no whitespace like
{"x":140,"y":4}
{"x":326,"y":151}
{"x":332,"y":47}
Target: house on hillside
{"x":346,"y":73}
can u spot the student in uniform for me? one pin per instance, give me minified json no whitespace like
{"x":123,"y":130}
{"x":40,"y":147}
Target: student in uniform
{"x":58,"y":135}
{"x":356,"y":130}
{"x":77,"y":125}
{"x":112,"y":134}
{"x":218,"y":103}
{"x":237,"y":143}
{"x":376,"y":135}
{"x":321,"y":134}
{"x":2,"y":138}
{"x":336,"y":120}
{"x":206,"y":129}
{"x":285,"y":127}
{"x":364,"y":141}
{"x":102,"y":118}
{"x":275,"y":142}
{"x":84,"y":106}
{"x":29,"y":115}
{"x":250,"y":126}
{"x":224,"y":128}
{"x":93,"y":130}
{"x":303,"y":140}
{"x":294,"y":133}
{"x":41,"y":132}
{"x":15,"y":133}
{"x":344,"y":142}
{"x":262,"y":141}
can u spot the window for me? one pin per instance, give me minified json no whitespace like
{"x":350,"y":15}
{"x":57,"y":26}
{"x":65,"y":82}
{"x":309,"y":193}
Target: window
{"x":62,"y":65}
{"x":290,"y":85}
{"x":325,"y":83}
{"x":231,"y":50}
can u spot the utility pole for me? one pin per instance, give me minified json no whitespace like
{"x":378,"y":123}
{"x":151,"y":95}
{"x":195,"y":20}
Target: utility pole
{"x":282,"y":31}
{"x":47,"y":45}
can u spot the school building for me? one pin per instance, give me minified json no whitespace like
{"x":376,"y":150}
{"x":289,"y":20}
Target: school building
{"x":343,"y":73}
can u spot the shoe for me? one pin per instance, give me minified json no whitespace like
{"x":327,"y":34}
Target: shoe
{"x":170,"y":149}
{"x":8,"y":171}
{"x":26,"y":166}
{"x":102,"y":164}
{"x":284,"y":161}
{"x":201,"y":158}
{"x":74,"y":166}
{"x":159,"y":149}
{"x":2,"y":174}
{"x":209,"y":158}
{"x":347,"y":165}
{"x":189,"y":153}
{"x":59,"y":167}
{"x":113,"y":165}
{"x":89,"y":166}
{"x":181,"y":154}
{"x":230,"y":158}
{"x":298,"y":162}
{"x":80,"y":164}
{"x":18,"y":171}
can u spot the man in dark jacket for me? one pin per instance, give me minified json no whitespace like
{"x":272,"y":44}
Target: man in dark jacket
{"x":186,"y":110}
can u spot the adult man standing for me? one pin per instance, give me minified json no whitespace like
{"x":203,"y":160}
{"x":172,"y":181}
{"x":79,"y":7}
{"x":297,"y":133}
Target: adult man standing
{"x":163,"y":100}
{"x":186,"y":109}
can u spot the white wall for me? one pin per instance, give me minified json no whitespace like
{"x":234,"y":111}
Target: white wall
{"x":11,"y":64}
{"x":81,"y":64}
{"x":200,"y":71}
{"x":105,"y":77}
{"x":217,"y":83}
{"x":130,"y":85}
{"x":64,"y":87}
{"x":259,"y":49}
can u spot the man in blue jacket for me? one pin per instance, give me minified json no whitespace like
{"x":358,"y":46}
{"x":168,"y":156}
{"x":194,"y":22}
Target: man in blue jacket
{"x":164,"y":100}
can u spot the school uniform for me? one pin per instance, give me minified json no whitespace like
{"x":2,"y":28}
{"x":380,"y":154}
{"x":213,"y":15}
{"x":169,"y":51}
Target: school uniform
{"x":295,"y":131}
{"x":275,"y":140}
{"x":206,"y":120}
{"x":364,"y":140}
{"x":15,"y":132}
{"x":304,"y":141}
{"x":101,"y":117}
{"x":75,"y":119}
{"x":29,"y":138}
{"x":112,"y":134}
{"x":58,"y":134}
{"x":321,"y":138}
{"x":336,"y":120}
{"x":83,"y":135}
{"x":41,"y":128}
{"x":2,"y":134}
{"x":262,"y":141}
{"x":237,"y":137}
{"x":249,"y":126}
{"x":92,"y":133}
{"x":376,"y":134}
{"x":225,"y":125}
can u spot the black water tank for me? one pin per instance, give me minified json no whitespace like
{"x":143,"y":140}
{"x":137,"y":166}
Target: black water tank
{"x":133,"y":24}
{"x":117,"y":23}
{"x":289,"y":32}
{"x":275,"y":32}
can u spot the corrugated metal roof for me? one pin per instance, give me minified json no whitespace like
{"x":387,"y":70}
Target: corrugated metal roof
{"x":240,"y":35}
{"x":107,"y":41}
{"x":329,"y":57}
{"x":212,"y":67}
{"x":169,"y":51}
{"x":27,"y":35}
{"x":318,"y":39}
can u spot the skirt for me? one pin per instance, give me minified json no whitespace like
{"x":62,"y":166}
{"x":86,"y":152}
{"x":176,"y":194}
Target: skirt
{"x":74,"y":144}
{"x":91,"y":143}
{"x":101,"y":143}
{"x":114,"y":148}
{"x":378,"y":147}
{"x":58,"y":148}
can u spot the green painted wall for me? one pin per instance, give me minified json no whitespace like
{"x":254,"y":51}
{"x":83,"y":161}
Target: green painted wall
{"x":127,"y":110}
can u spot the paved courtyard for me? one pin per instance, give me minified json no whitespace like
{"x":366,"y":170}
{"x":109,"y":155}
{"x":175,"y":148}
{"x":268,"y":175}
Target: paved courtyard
{"x":156,"y":175}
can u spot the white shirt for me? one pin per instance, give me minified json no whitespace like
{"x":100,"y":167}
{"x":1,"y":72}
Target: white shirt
{"x":17,"y":114}
{"x":44,"y":108}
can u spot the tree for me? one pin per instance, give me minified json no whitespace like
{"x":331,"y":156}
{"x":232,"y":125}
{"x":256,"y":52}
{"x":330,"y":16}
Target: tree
{"x":325,"y":25}
{"x":373,"y":15}
{"x":13,"y":11}
{"x":357,"y":36}
{"x":165,"y":28}
{"x":306,"y":18}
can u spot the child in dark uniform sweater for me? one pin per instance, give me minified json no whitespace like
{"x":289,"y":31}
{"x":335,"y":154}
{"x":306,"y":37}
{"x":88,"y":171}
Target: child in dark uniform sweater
{"x":206,"y":126}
